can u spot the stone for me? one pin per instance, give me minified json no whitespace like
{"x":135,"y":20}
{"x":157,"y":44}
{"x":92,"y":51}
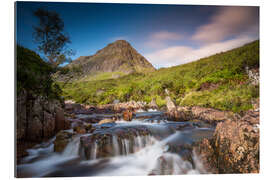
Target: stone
{"x":59,"y":119}
{"x":153,"y":104}
{"x":106,"y":121}
{"x":127,"y":115}
{"x":48,"y":125}
{"x":61,"y":141}
{"x":170,"y":104}
{"x":79,"y":129}
{"x":21,"y":119}
{"x":209,"y":114}
{"x":235,"y":146}
{"x":34,"y":130}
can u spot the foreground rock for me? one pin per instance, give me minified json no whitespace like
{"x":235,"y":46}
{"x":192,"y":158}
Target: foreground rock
{"x":61,"y":141}
{"x":38,"y":117}
{"x":209,"y":115}
{"x":153,"y":104}
{"x":127,"y":115}
{"x":235,"y":146}
{"x":110,"y":143}
{"x":104,"y":121}
{"x":170,"y":104}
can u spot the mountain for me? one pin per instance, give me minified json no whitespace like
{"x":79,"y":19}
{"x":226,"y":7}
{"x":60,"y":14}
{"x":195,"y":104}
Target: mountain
{"x":116,"y":59}
{"x":220,"y":81}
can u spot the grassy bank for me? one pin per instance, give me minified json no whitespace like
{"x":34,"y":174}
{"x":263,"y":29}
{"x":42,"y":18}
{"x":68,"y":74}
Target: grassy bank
{"x":218,"y":81}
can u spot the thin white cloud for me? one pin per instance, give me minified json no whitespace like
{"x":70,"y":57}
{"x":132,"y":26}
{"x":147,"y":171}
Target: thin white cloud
{"x":228,"y":22}
{"x":161,"y":38}
{"x":165,"y":35}
{"x":176,"y":55}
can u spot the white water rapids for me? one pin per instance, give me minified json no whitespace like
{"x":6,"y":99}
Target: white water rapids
{"x":140,"y":155}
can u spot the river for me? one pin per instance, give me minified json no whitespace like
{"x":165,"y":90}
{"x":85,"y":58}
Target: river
{"x":148,"y":145}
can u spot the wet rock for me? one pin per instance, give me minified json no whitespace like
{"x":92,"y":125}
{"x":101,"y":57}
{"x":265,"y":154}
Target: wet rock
{"x":235,"y":147}
{"x":21,"y":119}
{"x":72,"y":107}
{"x":61,"y":141}
{"x":67,"y":124}
{"x":88,"y":126}
{"x":35,"y":117}
{"x":80,"y":129}
{"x":48,"y":125}
{"x":106,"y":121}
{"x":180,"y":114}
{"x":127,"y":115}
{"x":59,"y":119}
{"x":112,"y":142}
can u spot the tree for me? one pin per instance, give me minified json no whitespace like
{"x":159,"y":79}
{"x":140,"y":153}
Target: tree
{"x":51,"y":39}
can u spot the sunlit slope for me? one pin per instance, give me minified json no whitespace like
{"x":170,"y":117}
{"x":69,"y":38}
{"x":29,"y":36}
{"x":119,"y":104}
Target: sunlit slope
{"x":219,"y":81}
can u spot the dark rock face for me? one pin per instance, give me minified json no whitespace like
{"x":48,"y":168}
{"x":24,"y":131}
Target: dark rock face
{"x":235,"y":146}
{"x":38,"y":117}
{"x":118,"y":56}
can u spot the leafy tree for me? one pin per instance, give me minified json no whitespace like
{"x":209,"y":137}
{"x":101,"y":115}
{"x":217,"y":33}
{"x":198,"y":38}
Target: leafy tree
{"x":51,"y":39}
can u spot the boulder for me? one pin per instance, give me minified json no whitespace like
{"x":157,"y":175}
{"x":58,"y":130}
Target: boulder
{"x":79,"y":129}
{"x":235,"y":146}
{"x":34,"y":130}
{"x":209,"y":114}
{"x":153,"y":104}
{"x":106,"y":121}
{"x":170,"y":104}
{"x":61,"y":141}
{"x":72,"y":107}
{"x":112,"y":143}
{"x":59,"y":119}
{"x":48,"y":125}
{"x":127,"y":115}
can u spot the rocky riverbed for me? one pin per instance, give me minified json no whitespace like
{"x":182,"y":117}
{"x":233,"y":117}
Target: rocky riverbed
{"x":136,"y":138}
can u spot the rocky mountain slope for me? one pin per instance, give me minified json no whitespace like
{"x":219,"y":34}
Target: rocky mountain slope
{"x":116,"y":59}
{"x":225,"y":81}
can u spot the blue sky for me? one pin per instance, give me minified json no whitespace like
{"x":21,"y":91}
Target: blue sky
{"x":166,"y":35}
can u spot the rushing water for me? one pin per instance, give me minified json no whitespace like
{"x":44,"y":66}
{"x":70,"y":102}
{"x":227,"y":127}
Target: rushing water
{"x":148,"y":145}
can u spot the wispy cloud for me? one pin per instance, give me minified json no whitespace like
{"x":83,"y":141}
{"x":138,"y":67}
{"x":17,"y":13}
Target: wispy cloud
{"x":228,"y":22}
{"x":176,"y":55}
{"x":165,"y":35}
{"x":161,"y":38}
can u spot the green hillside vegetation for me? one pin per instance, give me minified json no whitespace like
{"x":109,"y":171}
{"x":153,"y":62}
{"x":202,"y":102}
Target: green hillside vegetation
{"x":218,"y":81}
{"x":34,"y":74}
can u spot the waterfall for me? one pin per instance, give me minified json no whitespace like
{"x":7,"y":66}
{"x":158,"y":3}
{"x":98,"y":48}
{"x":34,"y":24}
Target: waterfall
{"x":128,"y":148}
{"x":72,"y":148}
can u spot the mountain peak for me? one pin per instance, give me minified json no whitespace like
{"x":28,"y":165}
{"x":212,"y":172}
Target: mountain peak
{"x":117,"y":57}
{"x":121,"y":42}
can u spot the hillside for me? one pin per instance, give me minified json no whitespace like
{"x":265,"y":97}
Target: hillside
{"x":219,"y":81}
{"x":116,"y":59}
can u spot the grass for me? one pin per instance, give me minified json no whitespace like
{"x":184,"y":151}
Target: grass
{"x":226,"y":71}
